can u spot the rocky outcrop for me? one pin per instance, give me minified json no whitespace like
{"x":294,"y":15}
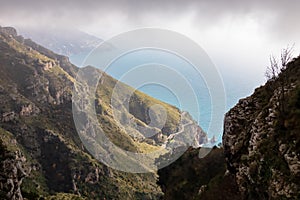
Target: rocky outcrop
{"x":25,"y":111}
{"x":29,"y":110}
{"x":13,"y":171}
{"x":13,"y":167}
{"x":261,"y":139}
{"x":47,"y":65}
{"x":9,"y":116}
{"x":12,"y":32}
{"x":200,"y":137}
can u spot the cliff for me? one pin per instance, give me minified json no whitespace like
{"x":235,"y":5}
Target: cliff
{"x":261,"y":139}
{"x":15,"y":167}
{"x":260,"y":154}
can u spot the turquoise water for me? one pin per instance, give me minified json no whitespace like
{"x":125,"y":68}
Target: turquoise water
{"x":132,"y":69}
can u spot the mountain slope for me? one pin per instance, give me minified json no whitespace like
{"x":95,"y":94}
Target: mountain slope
{"x":36,"y":111}
{"x":261,"y":139}
{"x":260,"y":153}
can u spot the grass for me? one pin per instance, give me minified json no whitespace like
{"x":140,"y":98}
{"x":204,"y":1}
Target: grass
{"x":20,"y":48}
{"x":58,"y":71}
{"x":139,"y":103}
{"x":8,"y":141}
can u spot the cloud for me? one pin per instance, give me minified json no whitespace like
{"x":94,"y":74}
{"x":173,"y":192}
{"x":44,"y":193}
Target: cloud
{"x":250,"y":28}
{"x":281,"y":16}
{"x":239,"y":35}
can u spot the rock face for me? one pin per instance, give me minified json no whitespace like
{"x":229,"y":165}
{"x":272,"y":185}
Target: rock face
{"x":13,"y":173}
{"x":261,"y":139}
{"x":10,"y":31}
{"x":13,"y":167}
{"x":261,"y":143}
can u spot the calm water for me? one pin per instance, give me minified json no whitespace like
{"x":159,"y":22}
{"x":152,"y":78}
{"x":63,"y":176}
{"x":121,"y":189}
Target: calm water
{"x":170,"y":79}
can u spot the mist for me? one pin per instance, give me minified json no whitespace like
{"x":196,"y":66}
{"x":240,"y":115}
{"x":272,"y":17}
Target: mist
{"x":239,"y":36}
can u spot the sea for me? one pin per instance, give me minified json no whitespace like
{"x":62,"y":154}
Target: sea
{"x":171,"y":79}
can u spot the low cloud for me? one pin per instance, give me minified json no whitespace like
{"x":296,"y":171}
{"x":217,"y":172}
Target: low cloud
{"x":281,"y":16}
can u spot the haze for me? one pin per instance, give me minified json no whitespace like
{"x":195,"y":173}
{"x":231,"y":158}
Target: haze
{"x":239,"y":36}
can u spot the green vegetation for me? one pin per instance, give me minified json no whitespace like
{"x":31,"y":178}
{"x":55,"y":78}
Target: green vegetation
{"x":7,"y":142}
{"x":139,"y":103}
{"x":61,"y":166}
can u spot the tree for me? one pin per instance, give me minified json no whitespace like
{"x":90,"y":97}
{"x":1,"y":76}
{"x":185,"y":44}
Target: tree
{"x":275,"y":67}
{"x":278,"y":67}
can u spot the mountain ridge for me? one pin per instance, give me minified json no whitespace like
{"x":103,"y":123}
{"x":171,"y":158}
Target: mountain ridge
{"x":36,"y":98}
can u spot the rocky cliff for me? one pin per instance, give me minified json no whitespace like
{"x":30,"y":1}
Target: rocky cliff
{"x":261,"y":139}
{"x":15,"y":167}
{"x":260,"y":157}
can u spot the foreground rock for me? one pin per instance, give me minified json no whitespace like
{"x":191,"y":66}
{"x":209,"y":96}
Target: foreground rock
{"x":261,"y":139}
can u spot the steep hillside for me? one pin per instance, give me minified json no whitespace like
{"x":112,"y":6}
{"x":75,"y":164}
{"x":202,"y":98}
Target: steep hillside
{"x":261,"y":139}
{"x":13,"y":165}
{"x":260,"y":153}
{"x":192,"y":177}
{"x":36,"y":114}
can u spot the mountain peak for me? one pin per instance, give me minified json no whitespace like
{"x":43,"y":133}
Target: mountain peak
{"x":9,"y":31}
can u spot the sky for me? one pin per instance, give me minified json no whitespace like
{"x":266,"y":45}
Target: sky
{"x":239,"y":36}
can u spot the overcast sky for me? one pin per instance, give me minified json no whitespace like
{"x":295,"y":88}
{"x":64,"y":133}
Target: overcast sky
{"x":238,"y":35}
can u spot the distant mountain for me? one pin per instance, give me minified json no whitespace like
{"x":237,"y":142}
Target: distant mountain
{"x":41,"y":154}
{"x":64,"y":41}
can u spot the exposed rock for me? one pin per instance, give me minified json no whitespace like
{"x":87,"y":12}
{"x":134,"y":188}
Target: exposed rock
{"x":13,"y":169}
{"x":12,"y":32}
{"x":92,"y":177}
{"x":47,"y":66}
{"x":259,"y":142}
{"x":27,"y":110}
{"x":202,"y":189}
{"x":9,"y":116}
